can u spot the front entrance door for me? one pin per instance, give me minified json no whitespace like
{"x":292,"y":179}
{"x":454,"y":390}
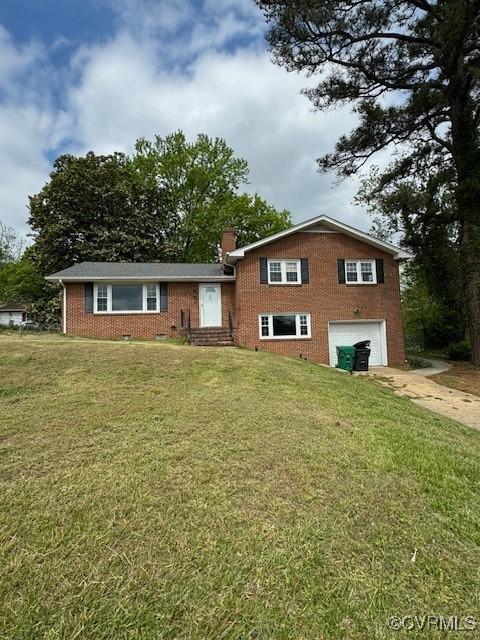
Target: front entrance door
{"x":210,"y":305}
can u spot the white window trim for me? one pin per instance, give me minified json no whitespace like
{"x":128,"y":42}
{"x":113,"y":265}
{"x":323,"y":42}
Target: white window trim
{"x":297,"y":315}
{"x":359,"y":271}
{"x":109,"y":310}
{"x":283,"y":267}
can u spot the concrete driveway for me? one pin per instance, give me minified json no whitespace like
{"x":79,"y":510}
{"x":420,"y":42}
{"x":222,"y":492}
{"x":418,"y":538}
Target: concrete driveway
{"x":461,"y":406}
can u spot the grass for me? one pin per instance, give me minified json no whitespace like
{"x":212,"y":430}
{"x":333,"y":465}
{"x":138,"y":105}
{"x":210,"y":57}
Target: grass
{"x":158,"y":491}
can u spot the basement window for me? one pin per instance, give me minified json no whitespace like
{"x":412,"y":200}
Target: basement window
{"x":284,"y":326}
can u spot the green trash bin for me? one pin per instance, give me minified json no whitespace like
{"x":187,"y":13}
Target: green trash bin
{"x":346,"y":358}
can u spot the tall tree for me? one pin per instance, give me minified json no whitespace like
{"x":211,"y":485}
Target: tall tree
{"x":411,"y":68}
{"x":21,"y":282}
{"x":169,"y":202}
{"x":202,"y":179}
{"x":252,"y":217}
{"x":429,"y":318}
{"x":11,"y":245}
{"x":95,"y":208}
{"x":423,"y":211}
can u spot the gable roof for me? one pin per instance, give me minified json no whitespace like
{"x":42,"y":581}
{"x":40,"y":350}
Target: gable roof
{"x":326,"y":224}
{"x":167,"y":271}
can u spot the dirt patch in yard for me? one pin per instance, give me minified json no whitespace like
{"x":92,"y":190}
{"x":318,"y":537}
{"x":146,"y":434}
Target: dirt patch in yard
{"x":463,"y":376}
{"x":452,"y":403}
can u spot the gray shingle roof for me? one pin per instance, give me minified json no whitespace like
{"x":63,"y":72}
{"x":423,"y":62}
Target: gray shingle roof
{"x":160,"y":270}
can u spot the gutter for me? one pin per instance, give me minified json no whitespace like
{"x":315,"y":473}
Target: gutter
{"x":140,"y":279}
{"x":64,"y":306}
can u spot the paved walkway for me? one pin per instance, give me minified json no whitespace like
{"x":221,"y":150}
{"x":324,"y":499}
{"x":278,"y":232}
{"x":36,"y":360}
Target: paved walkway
{"x":436,"y":366}
{"x":461,"y":406}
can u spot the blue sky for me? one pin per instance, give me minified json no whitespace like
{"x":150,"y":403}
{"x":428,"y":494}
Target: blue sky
{"x":77,"y":75}
{"x":76,"y":20}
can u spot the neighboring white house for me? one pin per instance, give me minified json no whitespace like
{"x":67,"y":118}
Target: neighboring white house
{"x":12,"y":314}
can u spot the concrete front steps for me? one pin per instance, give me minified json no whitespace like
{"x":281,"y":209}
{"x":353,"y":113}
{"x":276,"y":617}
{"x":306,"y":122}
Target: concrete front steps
{"x":211,"y":337}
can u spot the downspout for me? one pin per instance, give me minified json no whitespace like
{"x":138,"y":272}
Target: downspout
{"x":64,"y":306}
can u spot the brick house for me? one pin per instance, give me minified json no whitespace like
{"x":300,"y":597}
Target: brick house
{"x":300,"y":292}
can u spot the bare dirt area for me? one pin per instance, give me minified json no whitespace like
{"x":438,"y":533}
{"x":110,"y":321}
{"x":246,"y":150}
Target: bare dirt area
{"x":462,"y":376}
{"x":450,"y":402}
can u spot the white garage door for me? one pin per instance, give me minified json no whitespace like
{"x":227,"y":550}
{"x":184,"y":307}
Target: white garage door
{"x":347,"y":333}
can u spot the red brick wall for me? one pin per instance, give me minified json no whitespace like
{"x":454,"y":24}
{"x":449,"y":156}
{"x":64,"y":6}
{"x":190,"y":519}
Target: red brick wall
{"x":228,"y":241}
{"x":323,"y":297}
{"x":140,"y":325}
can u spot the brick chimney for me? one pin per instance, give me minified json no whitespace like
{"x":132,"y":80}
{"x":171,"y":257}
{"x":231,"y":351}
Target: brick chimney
{"x":229,"y":242}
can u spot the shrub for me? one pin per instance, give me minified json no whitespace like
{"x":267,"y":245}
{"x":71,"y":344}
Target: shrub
{"x":7,"y":328}
{"x":459,"y":351}
{"x":418,"y":363}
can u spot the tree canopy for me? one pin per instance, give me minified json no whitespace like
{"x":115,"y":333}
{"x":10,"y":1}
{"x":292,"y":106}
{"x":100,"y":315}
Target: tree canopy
{"x":424,"y":51}
{"x":94,"y":208}
{"x":21,"y":282}
{"x":168,"y":202}
{"x":201,"y":180}
{"x":411,"y":71}
{"x":422,"y":210}
{"x":11,"y":245}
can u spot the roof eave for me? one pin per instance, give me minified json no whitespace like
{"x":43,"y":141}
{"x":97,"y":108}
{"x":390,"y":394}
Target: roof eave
{"x":398,"y":254}
{"x":139,"y":278}
{"x":403,"y":255}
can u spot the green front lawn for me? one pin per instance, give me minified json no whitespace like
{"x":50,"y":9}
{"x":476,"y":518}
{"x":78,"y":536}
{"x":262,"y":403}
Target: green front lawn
{"x":153,"y":491}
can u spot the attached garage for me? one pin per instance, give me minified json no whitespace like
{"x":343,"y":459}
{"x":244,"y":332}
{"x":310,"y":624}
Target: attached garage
{"x":348,"y":333}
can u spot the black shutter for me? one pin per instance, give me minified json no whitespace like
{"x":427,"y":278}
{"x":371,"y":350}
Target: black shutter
{"x":380,"y":272}
{"x":304,"y":270}
{"x":89,"y":297}
{"x":263,"y":271}
{"x":341,"y":270}
{"x":163,"y":296}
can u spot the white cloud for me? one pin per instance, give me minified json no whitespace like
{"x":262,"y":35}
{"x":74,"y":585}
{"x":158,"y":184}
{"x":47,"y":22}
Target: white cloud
{"x":15,"y":60}
{"x":147,"y":17}
{"x":28,"y":128}
{"x":169,"y":66}
{"x":23,"y":135}
{"x":124,"y":93}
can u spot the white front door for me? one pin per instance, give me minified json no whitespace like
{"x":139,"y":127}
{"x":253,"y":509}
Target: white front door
{"x":210,"y":296}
